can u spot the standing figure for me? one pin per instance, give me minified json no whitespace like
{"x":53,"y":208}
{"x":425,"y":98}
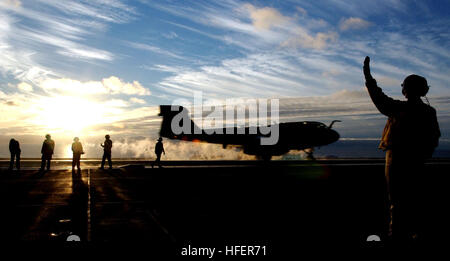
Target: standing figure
{"x":77,"y":150}
{"x":409,"y":138}
{"x":107,"y":145}
{"x":14,"y":149}
{"x":159,"y":148}
{"x":47,"y":152}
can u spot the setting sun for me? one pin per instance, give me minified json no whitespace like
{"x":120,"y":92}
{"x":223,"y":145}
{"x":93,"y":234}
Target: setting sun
{"x":69,"y":115}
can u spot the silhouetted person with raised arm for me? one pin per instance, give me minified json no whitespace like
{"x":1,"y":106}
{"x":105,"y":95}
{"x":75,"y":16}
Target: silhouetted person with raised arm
{"x":409,"y":138}
{"x":107,"y":145}
{"x":14,"y":149}
{"x":47,"y":152}
{"x":77,"y":150}
{"x":159,"y":149}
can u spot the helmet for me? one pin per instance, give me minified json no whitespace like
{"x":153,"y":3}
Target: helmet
{"x":107,"y":136}
{"x":415,"y":85}
{"x":160,"y":139}
{"x":47,"y":136}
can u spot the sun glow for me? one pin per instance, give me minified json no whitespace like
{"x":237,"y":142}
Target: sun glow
{"x":69,"y":115}
{"x":68,"y":151}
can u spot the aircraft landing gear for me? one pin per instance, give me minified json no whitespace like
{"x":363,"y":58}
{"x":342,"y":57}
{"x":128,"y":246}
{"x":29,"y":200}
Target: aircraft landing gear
{"x":309,"y":154}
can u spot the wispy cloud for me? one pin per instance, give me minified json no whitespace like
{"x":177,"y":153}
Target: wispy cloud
{"x":265,"y":27}
{"x":269,"y":74}
{"x":353,"y":23}
{"x":114,"y":11}
{"x":67,"y":47}
{"x":111,"y":85}
{"x":154,"y":49}
{"x":25,"y":29}
{"x":170,"y":35}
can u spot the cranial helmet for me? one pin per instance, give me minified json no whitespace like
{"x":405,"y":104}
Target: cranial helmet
{"x":415,"y":85}
{"x":48,"y":136}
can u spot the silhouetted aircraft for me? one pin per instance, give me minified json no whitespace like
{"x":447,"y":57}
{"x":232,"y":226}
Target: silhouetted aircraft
{"x":304,"y":135}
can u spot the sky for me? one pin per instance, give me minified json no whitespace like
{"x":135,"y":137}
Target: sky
{"x":90,"y":68}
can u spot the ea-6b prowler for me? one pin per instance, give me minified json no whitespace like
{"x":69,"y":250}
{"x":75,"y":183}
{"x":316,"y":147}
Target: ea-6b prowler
{"x":304,"y":135}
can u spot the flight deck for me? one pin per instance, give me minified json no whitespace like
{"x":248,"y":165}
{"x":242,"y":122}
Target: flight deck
{"x":206,"y":203}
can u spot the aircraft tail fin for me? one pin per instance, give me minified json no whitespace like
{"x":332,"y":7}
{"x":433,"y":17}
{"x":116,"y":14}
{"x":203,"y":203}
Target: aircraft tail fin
{"x":169,"y":112}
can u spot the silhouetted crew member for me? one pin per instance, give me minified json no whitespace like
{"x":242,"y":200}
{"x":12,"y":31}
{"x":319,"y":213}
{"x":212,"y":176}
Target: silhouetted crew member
{"x":107,"y":145}
{"x":47,"y":151}
{"x":77,"y":150}
{"x":159,"y":148}
{"x":14,"y":149}
{"x":409,"y":138}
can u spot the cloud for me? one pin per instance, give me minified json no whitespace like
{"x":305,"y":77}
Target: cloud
{"x":12,"y":3}
{"x":116,"y":86}
{"x":65,"y":32}
{"x":170,"y":35}
{"x":388,"y":81}
{"x":74,"y":87}
{"x":301,"y":10}
{"x":289,"y":31}
{"x":165,"y":68}
{"x":264,"y":27}
{"x":268,"y":74}
{"x":29,"y":32}
{"x":111,"y":85}
{"x":23,"y":86}
{"x":10,"y":103}
{"x":137,"y":100}
{"x":83,"y":53}
{"x":343,"y":103}
{"x":15,"y":61}
{"x":331,"y":73}
{"x":265,"y":18}
{"x":154,"y":49}
{"x":66,"y":46}
{"x":353,"y":23}
{"x":113,"y":11}
{"x":303,"y":39}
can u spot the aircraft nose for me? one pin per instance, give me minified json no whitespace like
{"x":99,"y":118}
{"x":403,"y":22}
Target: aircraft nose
{"x":335,"y":136}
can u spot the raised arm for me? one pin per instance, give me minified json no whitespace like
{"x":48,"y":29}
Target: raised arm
{"x":384,"y":104}
{"x":366,"y":70}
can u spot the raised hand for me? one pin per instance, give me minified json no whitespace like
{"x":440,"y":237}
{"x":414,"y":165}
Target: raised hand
{"x":366,"y":68}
